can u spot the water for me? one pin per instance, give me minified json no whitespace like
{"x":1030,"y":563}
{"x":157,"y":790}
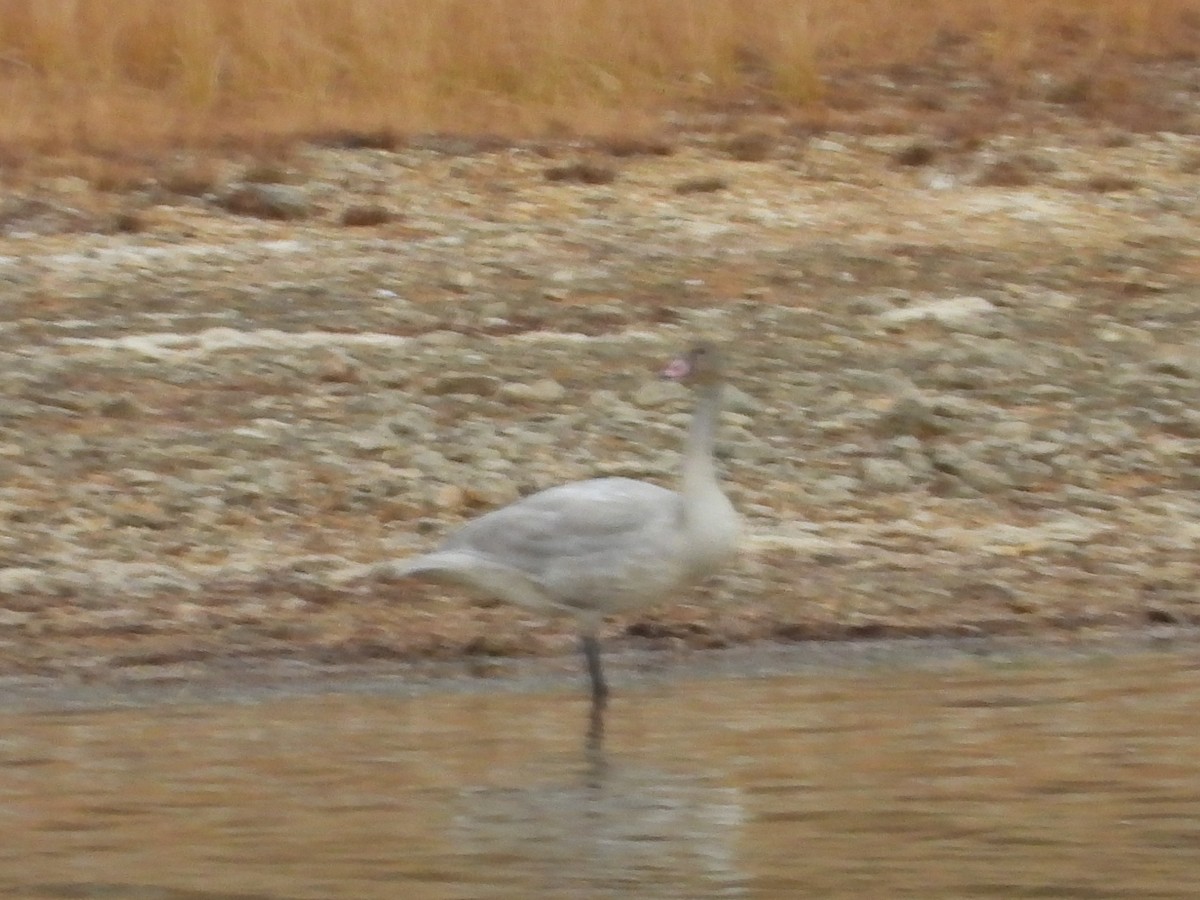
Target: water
{"x":1046,"y":777}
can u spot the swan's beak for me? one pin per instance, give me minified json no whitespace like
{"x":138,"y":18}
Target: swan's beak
{"x":677,"y":369}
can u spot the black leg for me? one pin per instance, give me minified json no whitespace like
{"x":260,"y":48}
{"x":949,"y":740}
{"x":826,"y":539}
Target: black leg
{"x":591,"y":652}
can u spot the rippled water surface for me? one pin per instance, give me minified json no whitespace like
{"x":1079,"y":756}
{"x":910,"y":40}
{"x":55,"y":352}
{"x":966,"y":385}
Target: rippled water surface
{"x":978,"y":777}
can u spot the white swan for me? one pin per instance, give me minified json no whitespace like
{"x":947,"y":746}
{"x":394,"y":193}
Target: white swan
{"x":606,"y":544}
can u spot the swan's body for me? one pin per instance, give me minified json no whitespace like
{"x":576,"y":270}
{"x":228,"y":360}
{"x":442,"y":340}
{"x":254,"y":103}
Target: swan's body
{"x":606,"y":544}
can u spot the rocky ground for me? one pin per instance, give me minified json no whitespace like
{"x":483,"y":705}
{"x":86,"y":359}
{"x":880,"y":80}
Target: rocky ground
{"x":965,"y":398}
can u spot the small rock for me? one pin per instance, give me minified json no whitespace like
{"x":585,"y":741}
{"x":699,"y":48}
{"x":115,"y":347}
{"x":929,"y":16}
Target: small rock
{"x":886,"y":474}
{"x":750,"y":146}
{"x":1027,"y":473}
{"x":119,"y":620}
{"x":266,"y":201}
{"x":911,"y":452}
{"x":656,"y":393}
{"x":1047,"y":391}
{"x":917,"y":153}
{"x":1043,"y":449}
{"x":121,"y":407}
{"x":1178,"y":363}
{"x":491,"y":494}
{"x":876,"y":304}
{"x":1014,"y":430}
{"x":922,"y":417}
{"x":703,"y":184}
{"x":1185,"y":424}
{"x":836,"y":488}
{"x":1009,"y":172}
{"x":338,"y":368}
{"x":825,"y":145}
{"x":633,"y":146}
{"x":366,"y":216}
{"x":985,"y":591}
{"x":1109,"y":182}
{"x":450,"y":497}
{"x":735,"y":400}
{"x":1111,"y":435}
{"x":950,"y":311}
{"x":583,"y":172}
{"x":1118,"y":332}
{"x":141,"y":514}
{"x":380,"y":437}
{"x":17,"y":409}
{"x":545,"y":390}
{"x":460,"y":281}
{"x":465,"y":383}
{"x":974,"y":473}
{"x":648,"y":469}
{"x":22,"y":580}
{"x":142,"y":477}
{"x":11,"y":618}
{"x":940,"y":181}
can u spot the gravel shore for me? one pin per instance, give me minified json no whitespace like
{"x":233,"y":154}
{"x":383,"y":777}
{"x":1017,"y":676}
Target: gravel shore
{"x":964,"y":391}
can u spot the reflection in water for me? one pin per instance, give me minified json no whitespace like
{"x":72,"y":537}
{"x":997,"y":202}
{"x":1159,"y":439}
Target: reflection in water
{"x":606,"y":830}
{"x":634,"y":833}
{"x":1049,"y":778}
{"x":593,"y":747}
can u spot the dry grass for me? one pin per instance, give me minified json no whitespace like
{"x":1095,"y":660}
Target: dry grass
{"x":94,"y":76}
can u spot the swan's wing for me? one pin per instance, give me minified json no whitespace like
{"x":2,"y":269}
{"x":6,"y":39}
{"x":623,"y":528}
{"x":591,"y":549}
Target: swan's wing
{"x":589,"y":544}
{"x":570,"y":521}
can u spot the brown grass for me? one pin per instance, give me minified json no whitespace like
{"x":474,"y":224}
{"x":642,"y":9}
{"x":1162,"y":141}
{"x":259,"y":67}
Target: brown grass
{"x":135,"y":76}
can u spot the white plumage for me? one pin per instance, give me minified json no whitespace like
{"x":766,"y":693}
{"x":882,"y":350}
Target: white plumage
{"x":604,"y":545}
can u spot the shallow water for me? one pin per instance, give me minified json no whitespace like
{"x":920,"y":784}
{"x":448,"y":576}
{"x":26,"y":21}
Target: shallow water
{"x":980,"y":776}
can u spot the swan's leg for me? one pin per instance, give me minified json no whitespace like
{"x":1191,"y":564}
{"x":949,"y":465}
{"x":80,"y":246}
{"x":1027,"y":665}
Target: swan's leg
{"x":591,"y":652}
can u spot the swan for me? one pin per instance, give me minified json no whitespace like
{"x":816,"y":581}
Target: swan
{"x":603,"y":545}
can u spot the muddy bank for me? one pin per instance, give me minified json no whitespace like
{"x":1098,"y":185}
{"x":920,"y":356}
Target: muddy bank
{"x":634,"y":672}
{"x":965,"y":393}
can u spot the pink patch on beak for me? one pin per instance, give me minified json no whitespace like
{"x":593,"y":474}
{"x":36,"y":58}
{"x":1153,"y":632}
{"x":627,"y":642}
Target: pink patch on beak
{"x":679,"y":368}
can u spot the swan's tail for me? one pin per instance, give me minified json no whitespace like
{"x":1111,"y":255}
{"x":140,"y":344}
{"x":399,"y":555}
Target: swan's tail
{"x":485,"y":576}
{"x":429,"y":565}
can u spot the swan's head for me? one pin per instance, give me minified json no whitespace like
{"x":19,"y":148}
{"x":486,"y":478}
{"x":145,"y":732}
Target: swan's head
{"x":699,"y":367}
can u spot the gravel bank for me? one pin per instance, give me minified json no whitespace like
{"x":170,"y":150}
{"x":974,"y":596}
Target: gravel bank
{"x":965,"y":400}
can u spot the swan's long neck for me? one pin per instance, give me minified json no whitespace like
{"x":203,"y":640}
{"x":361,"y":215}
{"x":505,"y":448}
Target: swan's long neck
{"x":699,"y":468}
{"x":710,"y":523}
